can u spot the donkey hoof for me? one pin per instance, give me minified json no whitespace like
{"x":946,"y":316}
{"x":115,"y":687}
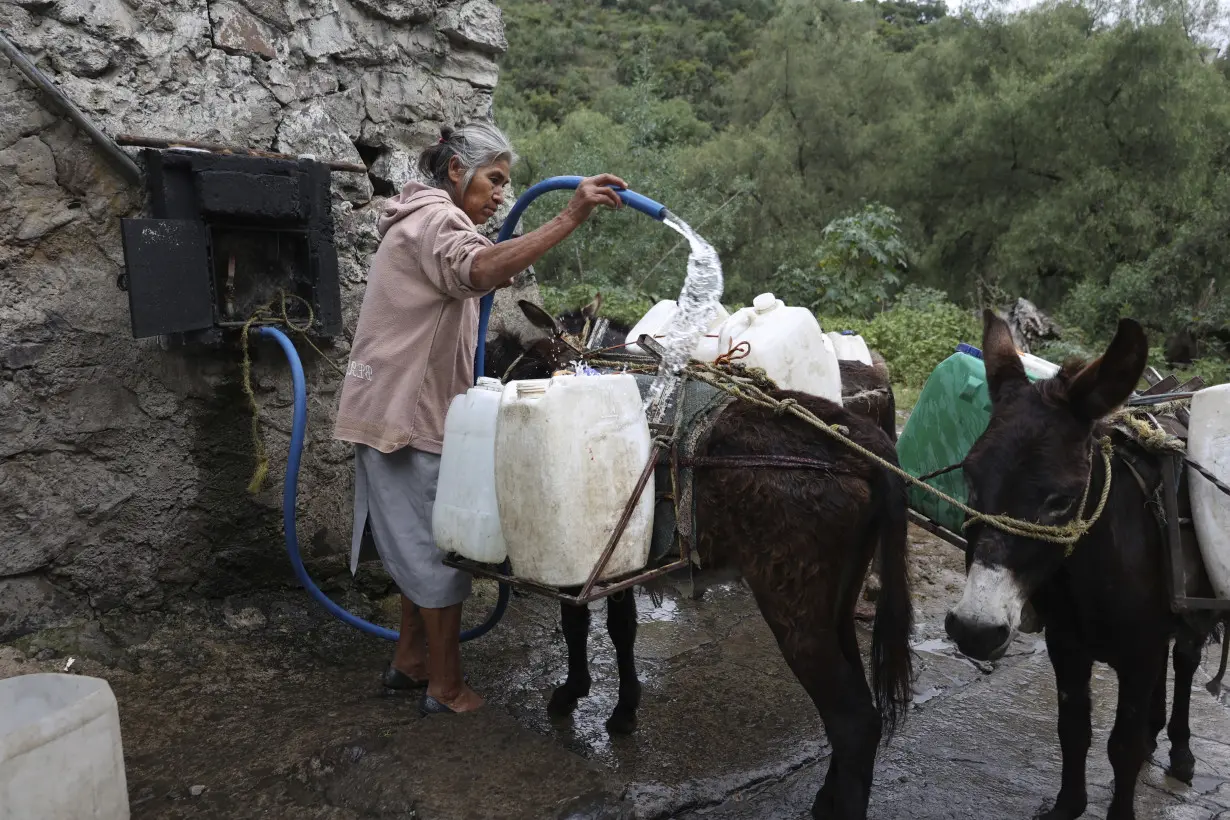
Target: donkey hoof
{"x":1061,"y":812}
{"x":1182,"y":767}
{"x":822,"y":806}
{"x":621,"y":722}
{"x":563,"y":702}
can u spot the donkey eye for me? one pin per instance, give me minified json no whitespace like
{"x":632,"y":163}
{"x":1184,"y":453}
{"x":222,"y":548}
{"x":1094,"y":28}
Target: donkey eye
{"x":1058,"y":503}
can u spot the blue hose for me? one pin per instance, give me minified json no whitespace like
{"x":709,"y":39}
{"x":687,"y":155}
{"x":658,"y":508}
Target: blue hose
{"x":290,"y":494}
{"x":290,"y":491}
{"x":631,"y":198}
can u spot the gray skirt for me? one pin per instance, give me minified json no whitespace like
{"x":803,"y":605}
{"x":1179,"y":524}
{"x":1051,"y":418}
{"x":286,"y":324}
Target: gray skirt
{"x":394,"y":493}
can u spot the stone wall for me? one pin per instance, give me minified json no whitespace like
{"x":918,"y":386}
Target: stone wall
{"x":124,"y":463}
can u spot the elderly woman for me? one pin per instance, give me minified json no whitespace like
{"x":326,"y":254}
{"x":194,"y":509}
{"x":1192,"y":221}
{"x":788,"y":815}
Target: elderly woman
{"x":413,"y":352}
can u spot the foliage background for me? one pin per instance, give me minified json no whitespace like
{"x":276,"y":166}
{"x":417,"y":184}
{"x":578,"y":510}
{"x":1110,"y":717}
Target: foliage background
{"x":891,"y":165}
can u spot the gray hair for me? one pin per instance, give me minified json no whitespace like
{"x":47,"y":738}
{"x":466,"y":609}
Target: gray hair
{"x":475,"y":144}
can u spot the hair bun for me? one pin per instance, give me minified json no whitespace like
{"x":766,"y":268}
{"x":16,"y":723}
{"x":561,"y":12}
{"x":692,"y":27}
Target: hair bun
{"x":446,"y":133}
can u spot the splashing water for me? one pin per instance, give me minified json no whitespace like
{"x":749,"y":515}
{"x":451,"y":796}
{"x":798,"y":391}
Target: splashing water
{"x":698,"y":304}
{"x":582,"y":369}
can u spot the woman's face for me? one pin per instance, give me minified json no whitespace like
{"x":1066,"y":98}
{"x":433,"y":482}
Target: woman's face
{"x":485,"y":192}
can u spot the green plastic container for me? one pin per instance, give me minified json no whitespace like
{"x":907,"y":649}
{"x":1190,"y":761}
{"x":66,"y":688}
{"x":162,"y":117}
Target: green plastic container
{"x":953,"y":410}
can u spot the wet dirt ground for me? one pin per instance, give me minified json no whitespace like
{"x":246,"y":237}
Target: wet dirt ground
{"x":266,"y":707}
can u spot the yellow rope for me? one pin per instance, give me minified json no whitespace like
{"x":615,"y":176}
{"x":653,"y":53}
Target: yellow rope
{"x":1066,"y":534}
{"x":258,"y":443}
{"x":1148,"y":435}
{"x":265,"y":315}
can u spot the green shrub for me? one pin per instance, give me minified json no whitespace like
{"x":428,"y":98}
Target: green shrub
{"x":1213,"y":369}
{"x":1060,"y":350}
{"x":620,"y":303}
{"x":912,"y":340}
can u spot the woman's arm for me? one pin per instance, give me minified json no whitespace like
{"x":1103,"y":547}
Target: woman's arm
{"x":499,"y":263}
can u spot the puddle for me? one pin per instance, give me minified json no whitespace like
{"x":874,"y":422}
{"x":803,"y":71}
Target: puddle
{"x":646,"y":611}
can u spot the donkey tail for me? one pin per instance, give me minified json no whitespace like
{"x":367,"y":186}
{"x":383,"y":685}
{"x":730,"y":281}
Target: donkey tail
{"x":1214,"y":686}
{"x":891,"y":657}
{"x":889,"y":420}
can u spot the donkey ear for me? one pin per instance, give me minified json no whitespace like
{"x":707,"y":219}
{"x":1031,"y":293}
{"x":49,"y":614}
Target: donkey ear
{"x":1004,"y":367}
{"x":1107,"y":381}
{"x":591,"y":310}
{"x":539,"y":318}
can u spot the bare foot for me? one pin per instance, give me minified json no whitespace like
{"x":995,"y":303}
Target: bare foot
{"x":465,"y":699}
{"x":414,"y":667}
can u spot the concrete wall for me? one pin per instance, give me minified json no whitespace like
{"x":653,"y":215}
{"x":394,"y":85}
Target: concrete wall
{"x":123,"y":464}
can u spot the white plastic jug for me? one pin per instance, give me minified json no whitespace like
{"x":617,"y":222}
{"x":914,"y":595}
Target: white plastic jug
{"x":465,"y":518}
{"x":850,"y":347}
{"x":1208,"y":444}
{"x":60,"y":751}
{"x":788,"y":344}
{"x":658,"y":319}
{"x":1038,"y":367}
{"x":568,"y":453}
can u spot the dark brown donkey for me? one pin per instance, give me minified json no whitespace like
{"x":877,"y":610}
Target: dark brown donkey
{"x":1105,"y":602}
{"x":802,"y":540}
{"x":868,"y":391}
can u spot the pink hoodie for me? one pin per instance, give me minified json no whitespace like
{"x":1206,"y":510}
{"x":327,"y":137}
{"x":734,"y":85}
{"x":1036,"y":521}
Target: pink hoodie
{"x":413,"y":350}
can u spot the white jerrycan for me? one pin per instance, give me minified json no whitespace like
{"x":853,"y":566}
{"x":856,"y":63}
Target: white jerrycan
{"x":788,"y":344}
{"x":850,"y":347}
{"x":465,"y":517}
{"x":568,"y":453}
{"x":1208,"y":444}
{"x":658,"y":319}
{"x":1037,"y":367}
{"x":61,"y":756}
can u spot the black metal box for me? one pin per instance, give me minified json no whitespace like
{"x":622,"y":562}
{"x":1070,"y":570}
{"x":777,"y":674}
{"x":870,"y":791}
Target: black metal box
{"x":224,"y":234}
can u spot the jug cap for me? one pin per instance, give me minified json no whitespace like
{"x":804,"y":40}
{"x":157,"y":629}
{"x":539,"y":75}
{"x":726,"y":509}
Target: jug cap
{"x":488,"y":383}
{"x":969,"y":350}
{"x":764,"y":302}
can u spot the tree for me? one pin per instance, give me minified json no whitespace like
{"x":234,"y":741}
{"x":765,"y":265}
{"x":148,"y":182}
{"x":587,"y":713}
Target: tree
{"x":857,"y":267}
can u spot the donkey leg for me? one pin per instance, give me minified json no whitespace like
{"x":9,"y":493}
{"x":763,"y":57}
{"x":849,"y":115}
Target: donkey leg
{"x":1073,"y":668}
{"x":1128,"y":739}
{"x":621,"y":626}
{"x":1157,"y":711}
{"x":575,"y":622}
{"x":1187,"y":651}
{"x":848,"y":641}
{"x":841,"y":695}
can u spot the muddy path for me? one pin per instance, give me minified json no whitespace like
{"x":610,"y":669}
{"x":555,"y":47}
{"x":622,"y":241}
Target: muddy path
{"x":266,"y":707}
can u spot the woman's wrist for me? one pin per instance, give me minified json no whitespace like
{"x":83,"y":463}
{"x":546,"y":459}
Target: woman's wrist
{"x":570,"y":218}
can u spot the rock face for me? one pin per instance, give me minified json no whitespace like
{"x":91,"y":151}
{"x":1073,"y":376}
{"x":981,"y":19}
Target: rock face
{"x":124,"y":463}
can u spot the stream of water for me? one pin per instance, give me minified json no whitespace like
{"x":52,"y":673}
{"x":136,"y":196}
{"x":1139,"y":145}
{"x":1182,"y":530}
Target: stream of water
{"x":698,"y":304}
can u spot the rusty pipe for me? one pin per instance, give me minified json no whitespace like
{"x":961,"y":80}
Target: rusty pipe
{"x":122,"y":162}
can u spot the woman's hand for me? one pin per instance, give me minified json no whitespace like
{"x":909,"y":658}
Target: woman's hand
{"x":592,"y":192}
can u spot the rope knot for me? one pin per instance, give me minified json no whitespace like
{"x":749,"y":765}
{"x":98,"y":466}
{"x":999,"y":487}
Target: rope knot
{"x":784,"y":405}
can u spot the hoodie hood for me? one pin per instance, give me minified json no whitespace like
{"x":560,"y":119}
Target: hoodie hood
{"x":413,"y":197}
